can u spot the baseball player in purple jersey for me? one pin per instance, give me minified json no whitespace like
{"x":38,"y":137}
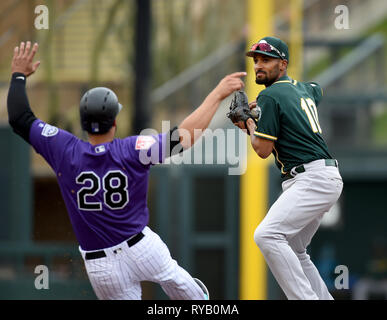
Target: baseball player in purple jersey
{"x":104,"y":184}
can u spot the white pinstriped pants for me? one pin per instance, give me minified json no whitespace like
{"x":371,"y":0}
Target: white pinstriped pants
{"x":118,"y":275}
{"x":288,"y":228}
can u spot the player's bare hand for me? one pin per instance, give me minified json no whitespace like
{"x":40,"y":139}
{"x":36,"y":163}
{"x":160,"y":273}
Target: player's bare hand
{"x":229,"y":84}
{"x":23,"y":57}
{"x":250,"y":125}
{"x":240,"y":125}
{"x":252,"y":104}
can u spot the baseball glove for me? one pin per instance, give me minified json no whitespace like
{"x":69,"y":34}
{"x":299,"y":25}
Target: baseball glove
{"x":240,"y":111}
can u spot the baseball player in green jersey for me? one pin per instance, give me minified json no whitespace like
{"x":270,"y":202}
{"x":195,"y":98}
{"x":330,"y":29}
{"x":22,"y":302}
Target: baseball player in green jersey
{"x":289,"y":128}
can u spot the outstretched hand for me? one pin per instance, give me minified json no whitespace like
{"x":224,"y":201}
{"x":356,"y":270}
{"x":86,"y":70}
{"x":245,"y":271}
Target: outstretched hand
{"x":23,"y":57}
{"x":229,"y":84}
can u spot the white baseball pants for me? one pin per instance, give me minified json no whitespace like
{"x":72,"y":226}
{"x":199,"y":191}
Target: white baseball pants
{"x":118,"y":275}
{"x":289,"y":226}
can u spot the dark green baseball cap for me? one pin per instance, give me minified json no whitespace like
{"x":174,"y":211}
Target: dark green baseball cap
{"x":270,"y":46}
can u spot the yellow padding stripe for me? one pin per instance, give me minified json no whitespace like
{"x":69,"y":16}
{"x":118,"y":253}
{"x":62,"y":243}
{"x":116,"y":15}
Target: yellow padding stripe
{"x":283,"y":81}
{"x":263,"y":135}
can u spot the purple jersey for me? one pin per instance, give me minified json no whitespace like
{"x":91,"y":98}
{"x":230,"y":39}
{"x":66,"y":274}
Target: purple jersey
{"x":104,"y":186}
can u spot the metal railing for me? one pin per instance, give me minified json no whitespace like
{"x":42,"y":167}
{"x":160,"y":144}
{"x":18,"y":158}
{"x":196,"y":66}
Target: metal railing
{"x":362,"y":51}
{"x":194,"y":72}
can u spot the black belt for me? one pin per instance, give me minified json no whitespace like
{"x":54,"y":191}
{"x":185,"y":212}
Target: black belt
{"x":101,"y":254}
{"x":301,"y":169}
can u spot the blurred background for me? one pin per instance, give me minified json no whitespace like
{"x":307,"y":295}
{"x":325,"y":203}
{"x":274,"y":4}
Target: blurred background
{"x":162,"y":57}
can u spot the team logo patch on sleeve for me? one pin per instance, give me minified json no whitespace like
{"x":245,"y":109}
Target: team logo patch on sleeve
{"x":258,"y":112}
{"x":144,"y":142}
{"x":49,"y":131}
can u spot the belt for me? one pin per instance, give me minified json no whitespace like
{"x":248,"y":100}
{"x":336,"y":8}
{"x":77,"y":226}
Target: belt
{"x":300,"y":169}
{"x":101,"y":254}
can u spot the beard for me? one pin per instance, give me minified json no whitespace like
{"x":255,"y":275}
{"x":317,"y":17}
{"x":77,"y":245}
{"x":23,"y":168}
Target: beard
{"x":262,"y":80}
{"x":267,"y":79}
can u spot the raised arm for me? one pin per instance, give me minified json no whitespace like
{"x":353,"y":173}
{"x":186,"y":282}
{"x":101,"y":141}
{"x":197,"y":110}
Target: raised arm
{"x":20,"y":116}
{"x":201,"y":117}
{"x":23,"y":56}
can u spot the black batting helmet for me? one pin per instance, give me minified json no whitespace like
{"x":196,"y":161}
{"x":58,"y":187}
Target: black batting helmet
{"x":98,"y":110}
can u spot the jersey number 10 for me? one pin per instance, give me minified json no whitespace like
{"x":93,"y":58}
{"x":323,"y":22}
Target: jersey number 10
{"x":311,"y":111}
{"x":114,"y":184}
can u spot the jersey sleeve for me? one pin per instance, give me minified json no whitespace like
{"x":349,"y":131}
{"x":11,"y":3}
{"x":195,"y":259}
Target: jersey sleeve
{"x":148,"y":150}
{"x":50,"y":142}
{"x":268,"y":124}
{"x":316,"y":91}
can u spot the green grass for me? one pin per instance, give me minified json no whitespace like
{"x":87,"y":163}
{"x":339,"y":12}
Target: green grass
{"x":379,"y":129}
{"x":325,"y":62}
{"x":379,"y":28}
{"x":379,"y":125}
{"x":317,"y":68}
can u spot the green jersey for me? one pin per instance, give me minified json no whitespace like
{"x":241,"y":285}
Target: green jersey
{"x":289,"y":118}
